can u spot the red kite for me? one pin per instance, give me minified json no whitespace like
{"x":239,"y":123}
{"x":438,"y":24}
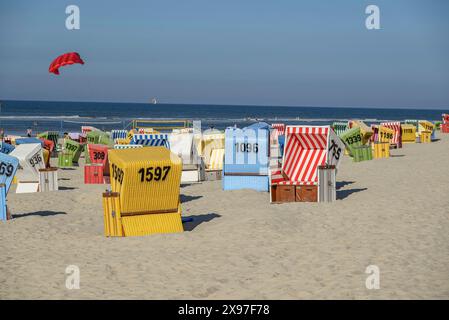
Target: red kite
{"x":65,"y":59}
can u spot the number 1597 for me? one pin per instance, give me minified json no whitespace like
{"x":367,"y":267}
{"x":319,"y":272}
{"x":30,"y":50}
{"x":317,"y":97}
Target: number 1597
{"x":154,"y":173}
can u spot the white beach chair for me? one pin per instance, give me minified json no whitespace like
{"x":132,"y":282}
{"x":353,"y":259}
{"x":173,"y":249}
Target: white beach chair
{"x":31,"y":159}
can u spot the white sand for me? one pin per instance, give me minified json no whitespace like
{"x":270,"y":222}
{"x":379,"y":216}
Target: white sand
{"x":394,"y":214}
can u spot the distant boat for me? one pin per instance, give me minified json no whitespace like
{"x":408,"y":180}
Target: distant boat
{"x":154,"y":101}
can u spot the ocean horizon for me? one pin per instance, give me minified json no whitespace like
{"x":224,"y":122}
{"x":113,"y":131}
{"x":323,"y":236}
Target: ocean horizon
{"x":16,"y":116}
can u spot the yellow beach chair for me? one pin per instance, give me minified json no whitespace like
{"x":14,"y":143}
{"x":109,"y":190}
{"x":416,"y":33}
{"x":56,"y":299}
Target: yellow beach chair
{"x":144,"y":196}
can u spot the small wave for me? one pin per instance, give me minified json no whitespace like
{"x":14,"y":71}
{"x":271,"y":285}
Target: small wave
{"x":40,"y":117}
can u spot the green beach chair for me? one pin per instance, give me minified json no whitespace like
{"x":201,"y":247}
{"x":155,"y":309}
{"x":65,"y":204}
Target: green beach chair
{"x":352,"y":138}
{"x":70,"y":154}
{"x":99,"y":137}
{"x":362,"y":153}
{"x":65,"y":159}
{"x":339,"y":127}
{"x":53,"y":136}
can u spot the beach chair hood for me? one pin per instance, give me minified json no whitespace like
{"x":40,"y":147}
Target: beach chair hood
{"x":308,"y":147}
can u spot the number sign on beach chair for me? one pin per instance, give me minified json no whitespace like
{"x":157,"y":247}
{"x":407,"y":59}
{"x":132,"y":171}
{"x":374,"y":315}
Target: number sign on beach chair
{"x":424,"y":125}
{"x":70,"y":154}
{"x":181,"y":144}
{"x":96,"y":170}
{"x":98,"y":153}
{"x":247,"y":158}
{"x":352,"y":138}
{"x":385,"y":134}
{"x":365,"y":130}
{"x":8,"y":167}
{"x":408,"y":133}
{"x":99,"y":137}
{"x":151,"y":140}
{"x":144,"y":197}
{"x":307,"y":147}
{"x":31,"y":160}
{"x":396,"y":141}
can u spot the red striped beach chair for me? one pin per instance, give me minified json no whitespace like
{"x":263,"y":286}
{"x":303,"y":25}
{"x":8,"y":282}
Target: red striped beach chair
{"x":306,"y":148}
{"x":445,"y":117}
{"x":397,"y":135}
{"x":278,"y":129}
{"x":375,"y":136}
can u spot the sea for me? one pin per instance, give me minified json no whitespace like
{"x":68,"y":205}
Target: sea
{"x":18,"y":116}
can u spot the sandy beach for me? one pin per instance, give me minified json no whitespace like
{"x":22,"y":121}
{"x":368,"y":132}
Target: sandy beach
{"x":393,"y":213}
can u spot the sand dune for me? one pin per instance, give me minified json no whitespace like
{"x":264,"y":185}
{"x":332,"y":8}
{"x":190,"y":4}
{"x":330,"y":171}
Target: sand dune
{"x":393,"y":213}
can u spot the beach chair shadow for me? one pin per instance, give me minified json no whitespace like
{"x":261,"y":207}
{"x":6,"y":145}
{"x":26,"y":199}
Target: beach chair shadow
{"x":185,"y":198}
{"x":196,"y":220}
{"x":38,"y":213}
{"x":66,"y":188}
{"x":396,"y":155}
{"x":343,"y":194}
{"x":342,"y":184}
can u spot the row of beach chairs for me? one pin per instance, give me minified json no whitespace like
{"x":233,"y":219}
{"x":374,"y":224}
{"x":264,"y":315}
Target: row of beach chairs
{"x":145,"y":168}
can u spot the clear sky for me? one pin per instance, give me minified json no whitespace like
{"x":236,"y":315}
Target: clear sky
{"x":283,"y":52}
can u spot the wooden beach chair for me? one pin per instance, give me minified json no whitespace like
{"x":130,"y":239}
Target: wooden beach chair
{"x":307,"y":147}
{"x":53,"y":136}
{"x":182,"y":144}
{"x":408,"y":133}
{"x":213,"y":153}
{"x":145,"y":189}
{"x":365,"y":130}
{"x":8,"y":168}
{"x":31,"y":159}
{"x":70,"y":153}
{"x":247,"y":160}
{"x":424,"y":126}
{"x":396,"y":141}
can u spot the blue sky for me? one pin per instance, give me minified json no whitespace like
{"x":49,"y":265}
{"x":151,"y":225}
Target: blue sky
{"x":305,"y":53}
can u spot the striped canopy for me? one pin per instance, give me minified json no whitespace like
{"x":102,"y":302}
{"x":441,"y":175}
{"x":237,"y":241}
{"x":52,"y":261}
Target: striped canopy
{"x":280,"y":127}
{"x":127,"y":146}
{"x":119,"y":134}
{"x":305,"y":150}
{"x":397,"y":134}
{"x":151,"y":140}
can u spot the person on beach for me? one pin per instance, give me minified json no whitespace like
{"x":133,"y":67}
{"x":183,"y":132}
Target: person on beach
{"x":29,"y":131}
